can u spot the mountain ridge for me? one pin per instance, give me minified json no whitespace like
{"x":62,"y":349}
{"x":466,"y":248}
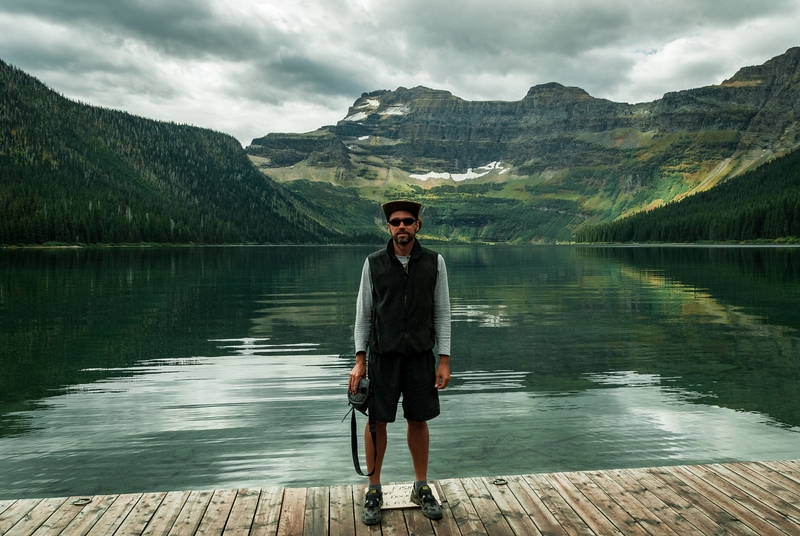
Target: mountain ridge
{"x":556,"y":148}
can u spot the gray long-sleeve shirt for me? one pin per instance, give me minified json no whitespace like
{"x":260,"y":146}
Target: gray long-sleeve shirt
{"x":441,"y":308}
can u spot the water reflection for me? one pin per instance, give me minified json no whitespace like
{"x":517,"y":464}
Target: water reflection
{"x":486,"y":316}
{"x":188,"y":368}
{"x":231,"y":420}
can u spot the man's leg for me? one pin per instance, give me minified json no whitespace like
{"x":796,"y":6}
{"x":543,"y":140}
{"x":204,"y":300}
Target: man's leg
{"x":418,"y":443}
{"x":371,"y":513}
{"x":380,"y":436}
{"x":421,"y":494}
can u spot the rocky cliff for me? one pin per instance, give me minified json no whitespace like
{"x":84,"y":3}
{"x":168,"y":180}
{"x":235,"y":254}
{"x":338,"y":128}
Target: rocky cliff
{"x":604,"y":159}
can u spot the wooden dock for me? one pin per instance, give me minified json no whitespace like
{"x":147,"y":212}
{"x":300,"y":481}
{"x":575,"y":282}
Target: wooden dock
{"x":757,"y":498}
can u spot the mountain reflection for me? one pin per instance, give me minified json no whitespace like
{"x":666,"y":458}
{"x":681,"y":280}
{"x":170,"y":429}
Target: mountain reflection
{"x":216,"y":367}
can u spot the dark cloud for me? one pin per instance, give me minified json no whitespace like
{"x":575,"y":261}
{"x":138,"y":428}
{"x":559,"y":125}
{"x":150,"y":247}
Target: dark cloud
{"x":308,"y":75}
{"x":500,"y":37}
{"x":297,"y":65}
{"x":187,"y":29}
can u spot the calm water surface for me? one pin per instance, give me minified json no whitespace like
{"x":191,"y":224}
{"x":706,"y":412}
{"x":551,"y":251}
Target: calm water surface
{"x":192,"y":368}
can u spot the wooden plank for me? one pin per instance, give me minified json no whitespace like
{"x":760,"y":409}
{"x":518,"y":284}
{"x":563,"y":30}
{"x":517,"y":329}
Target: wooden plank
{"x":16,"y":512}
{"x":488,"y":510}
{"x":510,"y":508}
{"x":569,"y":520}
{"x":774,"y":478}
{"x":292,"y":511}
{"x":167,"y":513}
{"x":393,"y":523}
{"x":787,"y":471}
{"x":317,"y":512}
{"x":192,"y":513}
{"x":268,"y":512}
{"x":663,"y":502}
{"x":721,"y":517}
{"x":533,"y":506}
{"x":633,"y":505}
{"x":762,"y":506}
{"x":359,"y":493}
{"x":417,"y":523}
{"x":611,"y":509}
{"x":140,"y":516}
{"x":216,"y":515}
{"x":342,"y":512}
{"x":795,"y":464}
{"x":684,"y":504}
{"x":5,"y":504}
{"x":447,"y":526}
{"x":733,"y":508}
{"x":464,"y":513}
{"x":62,"y":517}
{"x":114,"y":515}
{"x":89,"y":515}
{"x":590,"y":514}
{"x":34,"y":518}
{"x":760,"y":483}
{"x":243,"y":513}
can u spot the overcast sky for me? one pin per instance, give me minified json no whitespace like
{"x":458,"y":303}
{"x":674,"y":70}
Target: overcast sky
{"x":250,"y":67}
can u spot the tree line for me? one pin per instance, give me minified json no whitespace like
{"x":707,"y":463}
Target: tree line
{"x":78,"y":174}
{"x":762,"y":204}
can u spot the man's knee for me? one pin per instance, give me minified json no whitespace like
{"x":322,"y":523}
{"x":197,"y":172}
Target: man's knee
{"x":380,"y":427}
{"x":417,"y":425}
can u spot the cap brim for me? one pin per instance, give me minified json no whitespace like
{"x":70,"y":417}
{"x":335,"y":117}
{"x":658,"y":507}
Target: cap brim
{"x":393,"y":206}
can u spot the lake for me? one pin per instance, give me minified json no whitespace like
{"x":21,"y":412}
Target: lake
{"x":154,"y":369}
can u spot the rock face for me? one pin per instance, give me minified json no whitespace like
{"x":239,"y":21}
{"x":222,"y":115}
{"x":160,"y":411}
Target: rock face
{"x":569,"y":153}
{"x":554,"y":125}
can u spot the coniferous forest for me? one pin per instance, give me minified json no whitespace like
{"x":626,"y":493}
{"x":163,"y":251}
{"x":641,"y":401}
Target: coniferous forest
{"x":760,"y":205}
{"x":71,"y":173}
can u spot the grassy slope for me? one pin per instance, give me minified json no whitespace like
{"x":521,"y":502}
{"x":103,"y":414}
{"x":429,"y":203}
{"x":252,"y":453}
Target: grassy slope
{"x":532,"y":203}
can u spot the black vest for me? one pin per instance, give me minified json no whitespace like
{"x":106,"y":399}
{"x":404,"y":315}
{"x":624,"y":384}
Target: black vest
{"x":402,"y":301}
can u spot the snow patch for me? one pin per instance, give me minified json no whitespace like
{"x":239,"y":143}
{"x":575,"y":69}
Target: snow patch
{"x":470,"y":174}
{"x":431,"y":175}
{"x":396,"y":109}
{"x":358,"y":116}
{"x":371,"y":103}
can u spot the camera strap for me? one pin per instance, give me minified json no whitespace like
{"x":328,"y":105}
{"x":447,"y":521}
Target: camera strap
{"x":354,"y":442}
{"x":364,"y":401}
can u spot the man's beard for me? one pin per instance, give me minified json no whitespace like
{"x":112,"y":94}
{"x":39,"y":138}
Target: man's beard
{"x":404,"y":238}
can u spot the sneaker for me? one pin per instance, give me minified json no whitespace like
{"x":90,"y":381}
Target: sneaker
{"x":425,"y":499}
{"x":371,"y":515}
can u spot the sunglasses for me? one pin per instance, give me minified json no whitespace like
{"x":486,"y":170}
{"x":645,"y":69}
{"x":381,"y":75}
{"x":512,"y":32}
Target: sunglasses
{"x":405,"y":221}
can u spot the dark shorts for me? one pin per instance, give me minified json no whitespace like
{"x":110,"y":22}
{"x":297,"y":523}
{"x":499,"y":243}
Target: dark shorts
{"x":413,"y":376}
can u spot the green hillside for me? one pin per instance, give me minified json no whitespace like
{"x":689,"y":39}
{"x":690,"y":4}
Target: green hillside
{"x":71,"y":173}
{"x":762,"y":204}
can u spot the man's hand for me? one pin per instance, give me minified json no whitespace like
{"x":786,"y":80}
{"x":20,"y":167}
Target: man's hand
{"x":443,"y":372}
{"x":359,"y":371}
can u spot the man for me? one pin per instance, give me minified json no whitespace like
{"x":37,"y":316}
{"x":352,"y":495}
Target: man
{"x":402,"y":312}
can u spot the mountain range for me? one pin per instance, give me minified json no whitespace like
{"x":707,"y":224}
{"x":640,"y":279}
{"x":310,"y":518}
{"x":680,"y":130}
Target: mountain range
{"x":548,"y":167}
{"x":485,"y":169}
